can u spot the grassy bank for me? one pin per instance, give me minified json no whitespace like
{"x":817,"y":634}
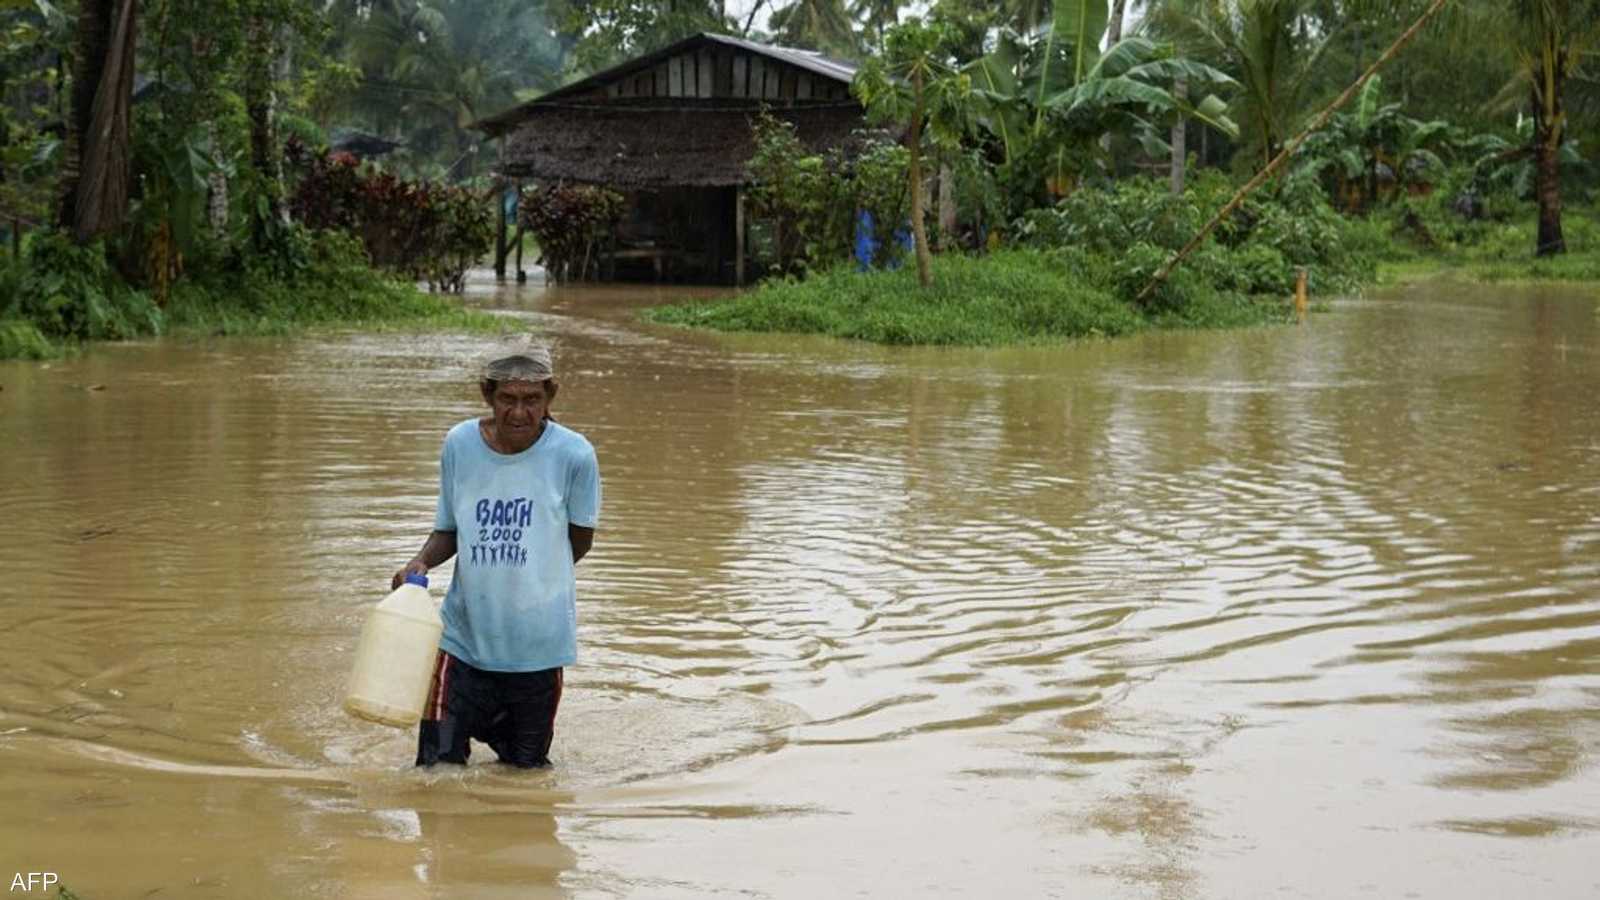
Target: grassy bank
{"x":1571,"y":267}
{"x":1010,"y":297}
{"x":59,"y":296}
{"x":1424,"y":239}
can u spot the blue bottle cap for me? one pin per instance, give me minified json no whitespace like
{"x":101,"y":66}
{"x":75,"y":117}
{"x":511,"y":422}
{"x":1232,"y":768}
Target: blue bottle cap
{"x":421,"y":580}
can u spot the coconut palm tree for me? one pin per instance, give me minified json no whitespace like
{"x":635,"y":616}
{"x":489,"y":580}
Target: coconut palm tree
{"x":1028,"y":15}
{"x":877,"y":16}
{"x":1262,"y":43}
{"x":432,"y":67}
{"x":1548,"y":38}
{"x":823,"y":25}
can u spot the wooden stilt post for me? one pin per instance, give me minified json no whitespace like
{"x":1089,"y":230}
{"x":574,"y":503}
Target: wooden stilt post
{"x":1301,"y":301}
{"x":500,"y":204}
{"x":522,"y":276}
{"x":738,"y":236}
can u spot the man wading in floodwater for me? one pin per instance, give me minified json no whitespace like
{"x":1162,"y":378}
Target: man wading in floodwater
{"x":519,"y":498}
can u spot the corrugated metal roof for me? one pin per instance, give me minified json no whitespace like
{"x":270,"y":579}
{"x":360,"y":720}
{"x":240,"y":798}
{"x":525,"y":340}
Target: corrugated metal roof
{"x":809,"y":60}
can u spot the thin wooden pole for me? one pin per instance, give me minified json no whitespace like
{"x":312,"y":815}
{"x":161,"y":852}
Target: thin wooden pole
{"x":738,"y":236}
{"x":1288,"y":151}
{"x":522,"y":276}
{"x":500,"y":202}
{"x":500,"y":235}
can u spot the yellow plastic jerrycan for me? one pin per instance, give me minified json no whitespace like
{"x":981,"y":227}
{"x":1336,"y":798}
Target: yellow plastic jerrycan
{"x":395,"y":659}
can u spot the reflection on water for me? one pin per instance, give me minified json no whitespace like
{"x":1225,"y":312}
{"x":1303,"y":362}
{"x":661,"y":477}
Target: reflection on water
{"x":1305,"y":610}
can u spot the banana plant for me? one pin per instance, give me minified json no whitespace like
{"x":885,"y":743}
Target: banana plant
{"x":1357,"y":146}
{"x":1068,"y":50}
{"x":1133,"y":77}
{"x":1000,"y":106}
{"x":174,"y":180}
{"x":1047,"y":98}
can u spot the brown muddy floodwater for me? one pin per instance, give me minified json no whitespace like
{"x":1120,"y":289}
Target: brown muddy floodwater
{"x":1291,"y":612}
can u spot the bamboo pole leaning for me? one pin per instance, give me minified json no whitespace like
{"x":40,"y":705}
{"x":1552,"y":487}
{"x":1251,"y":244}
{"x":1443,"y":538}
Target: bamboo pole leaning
{"x":1289,"y":150}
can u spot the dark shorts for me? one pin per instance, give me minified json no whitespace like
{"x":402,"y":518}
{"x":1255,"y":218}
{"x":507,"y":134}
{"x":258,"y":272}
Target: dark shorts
{"x":513,"y":712}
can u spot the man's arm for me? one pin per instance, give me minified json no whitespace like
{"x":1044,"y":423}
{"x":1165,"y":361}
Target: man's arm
{"x":440,"y":546}
{"x":581,"y":539}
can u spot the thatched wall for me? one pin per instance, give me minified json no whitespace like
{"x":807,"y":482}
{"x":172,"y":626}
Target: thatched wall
{"x":684,"y":144}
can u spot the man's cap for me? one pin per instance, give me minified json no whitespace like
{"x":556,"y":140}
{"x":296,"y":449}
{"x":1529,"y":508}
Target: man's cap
{"x":524,"y":364}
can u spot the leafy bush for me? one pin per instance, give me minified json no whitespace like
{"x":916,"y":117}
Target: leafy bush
{"x":570,"y":222}
{"x":1107,"y":220}
{"x":809,"y":207}
{"x":813,"y":200}
{"x":1137,"y":224}
{"x":424,"y":231}
{"x":337,"y":287}
{"x":878,"y":185}
{"x":70,"y":292}
{"x":62,"y":293}
{"x":19,"y":339}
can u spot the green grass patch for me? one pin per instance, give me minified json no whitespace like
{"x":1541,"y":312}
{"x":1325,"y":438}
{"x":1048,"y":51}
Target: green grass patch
{"x":362,"y":298}
{"x":1010,"y":297}
{"x":1425,"y":240}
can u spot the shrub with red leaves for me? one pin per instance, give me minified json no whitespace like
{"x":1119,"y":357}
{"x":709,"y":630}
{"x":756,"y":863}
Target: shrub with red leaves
{"x":421,"y":230}
{"x":570,"y":222}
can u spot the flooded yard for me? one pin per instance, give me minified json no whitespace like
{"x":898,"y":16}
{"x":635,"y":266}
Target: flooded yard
{"x":1304,"y":611}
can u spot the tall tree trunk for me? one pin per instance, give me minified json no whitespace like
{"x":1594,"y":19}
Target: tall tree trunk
{"x":947,"y":207}
{"x":1549,"y":127}
{"x":96,"y":20}
{"x":93,"y":39}
{"x":1180,"y":135}
{"x":260,"y":101}
{"x":106,"y":163}
{"x":919,"y":234}
{"x":1114,"y":27}
{"x":217,"y":188}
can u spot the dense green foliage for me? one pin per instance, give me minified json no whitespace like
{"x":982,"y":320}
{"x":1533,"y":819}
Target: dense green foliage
{"x":1138,"y":224}
{"x":1487,"y":240}
{"x":189,"y":224}
{"x":812,"y":201}
{"x":61,"y":294}
{"x":335,"y":288}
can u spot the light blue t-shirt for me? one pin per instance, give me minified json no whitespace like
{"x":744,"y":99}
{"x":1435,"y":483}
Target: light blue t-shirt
{"x":512,"y":606}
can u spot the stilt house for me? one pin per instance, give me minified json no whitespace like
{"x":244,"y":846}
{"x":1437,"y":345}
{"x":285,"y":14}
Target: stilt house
{"x":671,"y":131}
